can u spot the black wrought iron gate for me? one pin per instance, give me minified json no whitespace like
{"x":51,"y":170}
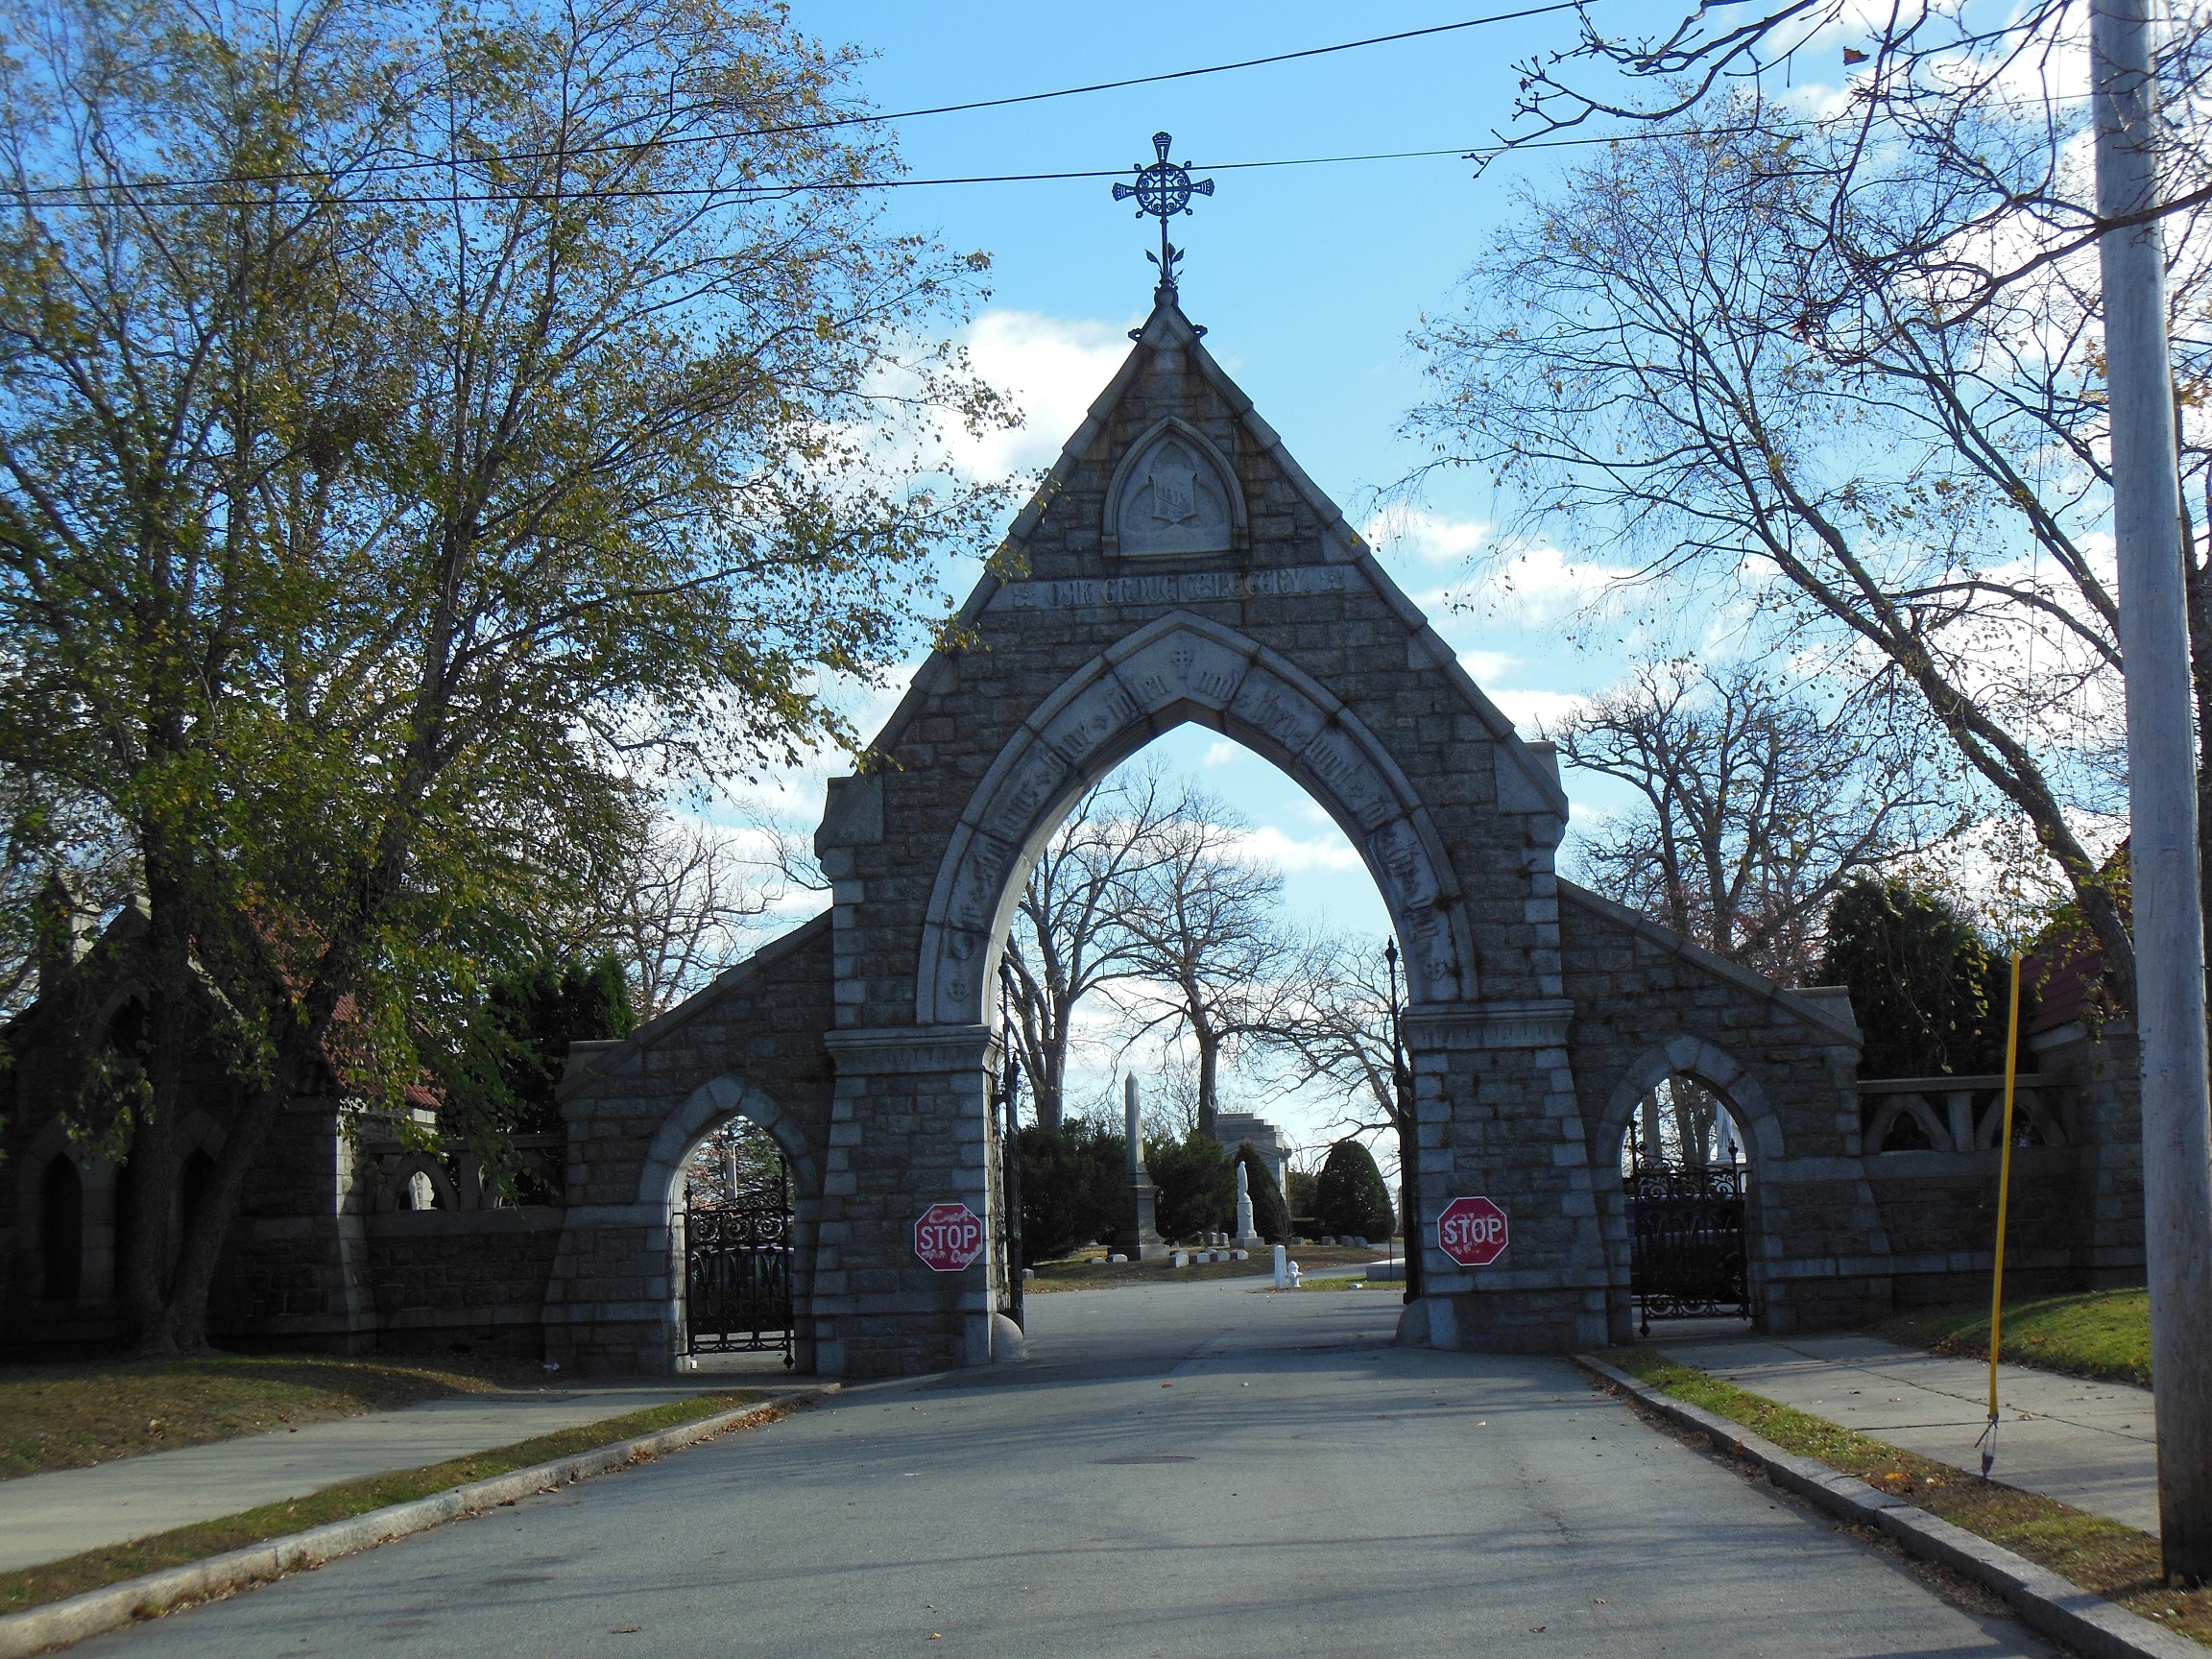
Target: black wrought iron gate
{"x":1686,"y":1232}
{"x":737,"y":1273}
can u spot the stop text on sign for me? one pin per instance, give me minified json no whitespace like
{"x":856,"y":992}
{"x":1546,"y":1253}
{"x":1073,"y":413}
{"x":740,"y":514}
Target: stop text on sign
{"x":948,"y":1236}
{"x":1472,"y":1232}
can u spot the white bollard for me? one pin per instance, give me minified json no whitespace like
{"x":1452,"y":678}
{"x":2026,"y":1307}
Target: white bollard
{"x":1282,"y":1271}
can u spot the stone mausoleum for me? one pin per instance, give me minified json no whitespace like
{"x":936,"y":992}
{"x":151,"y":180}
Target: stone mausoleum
{"x":1177,"y":565}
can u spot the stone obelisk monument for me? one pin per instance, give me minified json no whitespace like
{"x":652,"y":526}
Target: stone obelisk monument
{"x":1142,"y":1243}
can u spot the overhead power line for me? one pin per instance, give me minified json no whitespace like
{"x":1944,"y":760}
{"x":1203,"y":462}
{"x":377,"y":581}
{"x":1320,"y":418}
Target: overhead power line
{"x":743,"y":193}
{"x":426,"y":163}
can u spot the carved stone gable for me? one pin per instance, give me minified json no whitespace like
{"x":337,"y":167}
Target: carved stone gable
{"x":1173,"y":497}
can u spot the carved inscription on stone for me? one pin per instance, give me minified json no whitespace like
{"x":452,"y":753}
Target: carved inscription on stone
{"x":1335,"y":760}
{"x":1179,"y":666}
{"x":1186,"y":587}
{"x":1174,"y":501}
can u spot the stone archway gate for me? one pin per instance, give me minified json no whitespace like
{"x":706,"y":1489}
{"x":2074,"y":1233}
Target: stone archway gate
{"x":1178,"y":565}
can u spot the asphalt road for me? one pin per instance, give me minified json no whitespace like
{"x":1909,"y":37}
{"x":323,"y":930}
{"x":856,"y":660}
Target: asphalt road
{"x":1194,"y":1470}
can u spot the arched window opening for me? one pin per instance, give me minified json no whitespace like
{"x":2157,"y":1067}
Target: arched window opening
{"x":61,"y":1193}
{"x":1685,"y":1177}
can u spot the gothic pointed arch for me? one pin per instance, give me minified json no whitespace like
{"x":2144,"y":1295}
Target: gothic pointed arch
{"x":1184,"y":668}
{"x":1685,"y":1055}
{"x":711,"y":1103}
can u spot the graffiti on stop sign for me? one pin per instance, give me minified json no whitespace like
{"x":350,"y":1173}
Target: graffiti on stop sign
{"x":948,"y":1236}
{"x":1472,"y":1232}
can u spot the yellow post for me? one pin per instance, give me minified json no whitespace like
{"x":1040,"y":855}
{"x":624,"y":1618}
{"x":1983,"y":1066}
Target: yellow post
{"x":2004,"y":1197}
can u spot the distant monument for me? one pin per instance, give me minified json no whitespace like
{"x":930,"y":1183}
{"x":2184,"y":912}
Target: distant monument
{"x":1246,"y":1237}
{"x":1235,"y":1129}
{"x":1144,"y":1241}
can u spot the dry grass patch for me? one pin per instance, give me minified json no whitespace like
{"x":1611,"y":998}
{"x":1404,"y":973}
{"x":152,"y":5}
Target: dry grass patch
{"x":2102,"y":1555}
{"x":53,"y":1581}
{"x":73,"y":1416}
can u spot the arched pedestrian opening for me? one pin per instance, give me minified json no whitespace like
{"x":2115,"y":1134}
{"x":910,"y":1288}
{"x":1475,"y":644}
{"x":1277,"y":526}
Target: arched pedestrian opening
{"x":1683,"y":1127}
{"x":733,"y":1177}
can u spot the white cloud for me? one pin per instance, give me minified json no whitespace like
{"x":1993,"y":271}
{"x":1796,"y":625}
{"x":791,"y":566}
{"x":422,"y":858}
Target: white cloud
{"x":1428,"y":538}
{"x":1268,"y":843}
{"x":1052,"y":370}
{"x":1222,"y":754}
{"x":1483,"y":666}
{"x":1527,"y":709}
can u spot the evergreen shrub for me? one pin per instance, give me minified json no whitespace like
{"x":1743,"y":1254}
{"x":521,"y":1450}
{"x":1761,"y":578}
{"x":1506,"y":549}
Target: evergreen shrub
{"x":1350,"y":1197}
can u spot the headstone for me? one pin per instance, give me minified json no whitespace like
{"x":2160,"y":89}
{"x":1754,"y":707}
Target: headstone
{"x":1239,"y":1255}
{"x":1180,"y":1259}
{"x":1246,"y":1237}
{"x":1144,"y":1233}
{"x":1117,"y":1257}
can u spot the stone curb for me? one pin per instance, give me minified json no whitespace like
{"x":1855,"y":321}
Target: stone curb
{"x":2056,"y":1607}
{"x":111,"y":1608}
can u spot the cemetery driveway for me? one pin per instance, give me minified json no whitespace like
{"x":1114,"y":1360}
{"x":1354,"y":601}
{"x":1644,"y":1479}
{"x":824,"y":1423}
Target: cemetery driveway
{"x":1192,"y":1469}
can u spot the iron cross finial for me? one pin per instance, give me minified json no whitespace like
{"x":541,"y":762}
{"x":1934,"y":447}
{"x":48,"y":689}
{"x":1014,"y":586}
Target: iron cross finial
{"x":1164,"y":190}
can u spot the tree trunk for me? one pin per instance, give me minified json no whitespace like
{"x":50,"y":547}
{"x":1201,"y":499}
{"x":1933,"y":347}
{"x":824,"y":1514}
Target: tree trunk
{"x":1048,"y":1083}
{"x":147,"y":1192}
{"x":1209,"y":1077}
{"x":183,"y":1318}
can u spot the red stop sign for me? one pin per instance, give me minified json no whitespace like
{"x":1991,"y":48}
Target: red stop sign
{"x":1472,"y":1232}
{"x":948,"y":1236}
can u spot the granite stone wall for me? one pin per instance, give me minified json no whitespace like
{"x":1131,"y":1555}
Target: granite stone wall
{"x":750,"y":1045}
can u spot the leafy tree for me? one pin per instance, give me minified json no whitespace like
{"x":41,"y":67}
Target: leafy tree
{"x":1350,"y":1198}
{"x":1196,"y":1186}
{"x":1270,"y":1216}
{"x":497,"y":432}
{"x":1074,"y":1180}
{"x":1931,"y":999}
{"x":520,"y":1038}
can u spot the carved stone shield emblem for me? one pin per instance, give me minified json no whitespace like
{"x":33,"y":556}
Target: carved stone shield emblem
{"x":1174,"y":490}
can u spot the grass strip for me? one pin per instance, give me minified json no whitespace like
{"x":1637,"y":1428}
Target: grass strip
{"x":54,"y":1580}
{"x":2115,"y":1561}
{"x":71,"y":1416}
{"x":2100,"y":1334}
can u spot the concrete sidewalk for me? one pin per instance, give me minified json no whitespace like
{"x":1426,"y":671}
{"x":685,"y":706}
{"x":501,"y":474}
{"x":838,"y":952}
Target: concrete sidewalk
{"x":49,"y":1517}
{"x":2092,"y":1445}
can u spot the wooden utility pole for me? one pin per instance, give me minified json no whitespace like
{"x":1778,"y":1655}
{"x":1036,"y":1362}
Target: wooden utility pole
{"x":2162,"y":780}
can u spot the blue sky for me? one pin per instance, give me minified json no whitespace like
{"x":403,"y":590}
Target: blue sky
{"x":1309,"y":280}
